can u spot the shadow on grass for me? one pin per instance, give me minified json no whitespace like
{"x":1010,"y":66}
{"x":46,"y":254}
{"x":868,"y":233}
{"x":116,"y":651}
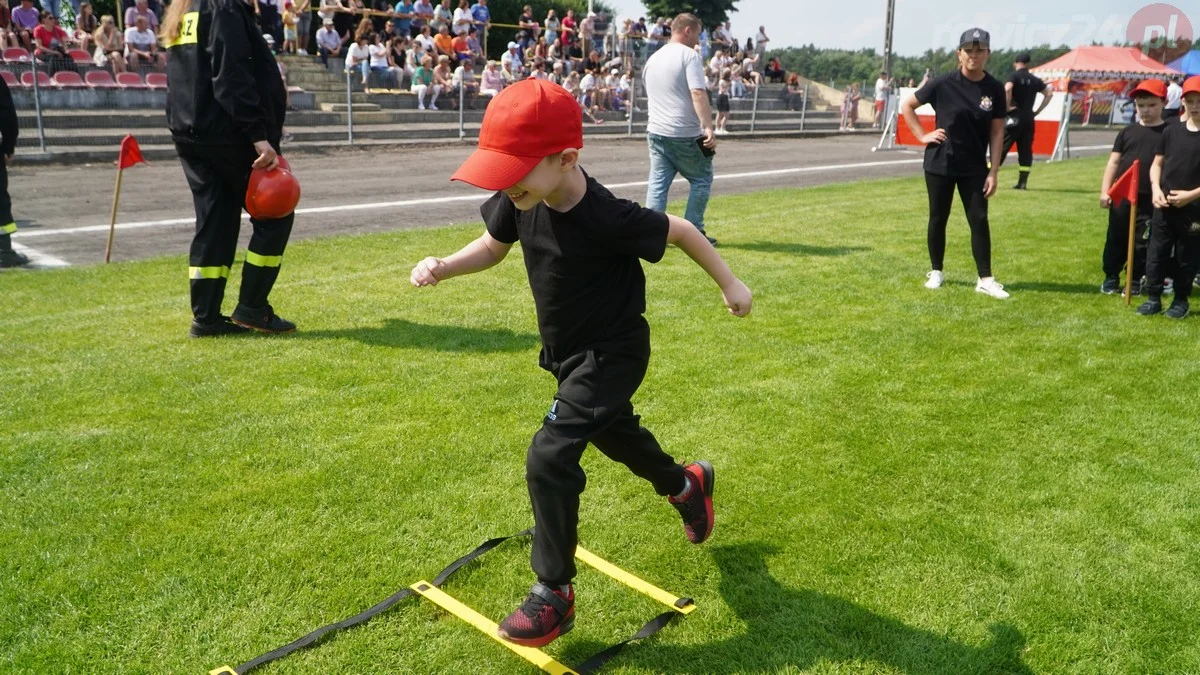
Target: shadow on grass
{"x":402,"y":333}
{"x":788,"y":628}
{"x":796,"y":249}
{"x":1051,"y":287}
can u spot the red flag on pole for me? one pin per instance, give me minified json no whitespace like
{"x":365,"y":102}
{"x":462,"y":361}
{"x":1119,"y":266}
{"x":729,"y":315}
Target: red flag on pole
{"x":130,"y":152}
{"x":1126,"y":187}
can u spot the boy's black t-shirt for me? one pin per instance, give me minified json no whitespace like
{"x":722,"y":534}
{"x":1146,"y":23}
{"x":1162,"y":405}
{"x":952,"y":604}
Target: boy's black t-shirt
{"x":1180,"y":148}
{"x":1137,"y":142}
{"x":583,"y":266}
{"x":965,"y":109}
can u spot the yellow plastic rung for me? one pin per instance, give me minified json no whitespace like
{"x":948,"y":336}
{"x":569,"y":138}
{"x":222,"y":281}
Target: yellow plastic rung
{"x":535,"y":656}
{"x":644,"y":587}
{"x":223,"y":670}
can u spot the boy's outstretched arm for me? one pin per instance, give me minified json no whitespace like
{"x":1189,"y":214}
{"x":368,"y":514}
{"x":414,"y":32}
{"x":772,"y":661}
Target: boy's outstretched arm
{"x":476,"y":256}
{"x":685,"y":235}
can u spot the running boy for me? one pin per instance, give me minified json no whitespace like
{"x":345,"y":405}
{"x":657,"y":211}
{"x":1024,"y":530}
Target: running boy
{"x":1175,"y":178}
{"x":1138,"y":141}
{"x":581,"y":247}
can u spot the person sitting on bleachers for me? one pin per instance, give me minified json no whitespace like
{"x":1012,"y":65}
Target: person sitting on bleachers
{"x":141,"y":46}
{"x":464,"y":79}
{"x":475,"y":46}
{"x":24,"y":20}
{"x":329,"y":43}
{"x":398,"y":59}
{"x":511,"y":60}
{"x":442,"y":75}
{"x":52,"y":42}
{"x":774,"y":70}
{"x":7,"y":38}
{"x":358,"y":56}
{"x":110,"y":46}
{"x":442,"y":17}
{"x":444,"y":43}
{"x":491,"y":83}
{"x":506,"y":73}
{"x":142,"y":9}
{"x":365,"y":29}
{"x":379,"y":62}
{"x":462,"y":50}
{"x":85,"y":24}
{"x":423,"y":83}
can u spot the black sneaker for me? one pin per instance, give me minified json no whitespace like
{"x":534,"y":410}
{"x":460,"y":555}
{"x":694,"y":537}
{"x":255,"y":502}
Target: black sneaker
{"x":1020,"y":186}
{"x":265,"y":320}
{"x":711,"y":240}
{"x":1135,"y":288}
{"x":1177,"y":310}
{"x":11,"y":258}
{"x":1150,"y":307}
{"x":1111,"y":286}
{"x":222,"y":326}
{"x":546,"y":614}
{"x":696,"y":507}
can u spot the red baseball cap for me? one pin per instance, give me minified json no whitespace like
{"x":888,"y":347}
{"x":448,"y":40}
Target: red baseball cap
{"x":1153,"y":87}
{"x":1192,"y":85}
{"x":523,"y":125}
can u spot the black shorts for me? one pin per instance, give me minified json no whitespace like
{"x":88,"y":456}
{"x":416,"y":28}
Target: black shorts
{"x":723,"y":103}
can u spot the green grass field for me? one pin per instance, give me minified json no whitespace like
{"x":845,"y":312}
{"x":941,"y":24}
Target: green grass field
{"x":909,"y":481}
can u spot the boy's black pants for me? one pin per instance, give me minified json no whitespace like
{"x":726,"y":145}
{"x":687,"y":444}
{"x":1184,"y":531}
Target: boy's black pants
{"x":941,"y":201}
{"x":1178,"y":228}
{"x":1116,"y":245}
{"x":592,"y":404}
{"x":218,"y":176}
{"x":7,"y":224}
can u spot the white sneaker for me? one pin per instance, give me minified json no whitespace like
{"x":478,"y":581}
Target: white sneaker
{"x":989,"y":286}
{"x":421,"y":106}
{"x":432,"y":107}
{"x":935,"y":279}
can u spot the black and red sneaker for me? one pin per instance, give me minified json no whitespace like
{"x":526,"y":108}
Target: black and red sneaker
{"x":696,"y":507}
{"x":546,"y":614}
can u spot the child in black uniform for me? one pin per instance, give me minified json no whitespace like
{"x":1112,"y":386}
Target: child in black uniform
{"x":1175,"y":177}
{"x":1136,"y":142}
{"x":581,"y":247}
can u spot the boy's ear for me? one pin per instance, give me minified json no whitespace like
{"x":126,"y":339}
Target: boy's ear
{"x":568,"y":159}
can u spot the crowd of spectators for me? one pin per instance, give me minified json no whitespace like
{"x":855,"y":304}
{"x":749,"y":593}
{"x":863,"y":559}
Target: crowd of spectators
{"x":51,"y":37}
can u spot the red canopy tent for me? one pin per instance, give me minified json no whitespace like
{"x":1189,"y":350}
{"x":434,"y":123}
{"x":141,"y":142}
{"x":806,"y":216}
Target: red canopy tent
{"x":1096,"y":76}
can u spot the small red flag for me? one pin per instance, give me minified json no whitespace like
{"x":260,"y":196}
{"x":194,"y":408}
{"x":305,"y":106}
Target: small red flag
{"x":130,"y":152}
{"x":1126,"y":187}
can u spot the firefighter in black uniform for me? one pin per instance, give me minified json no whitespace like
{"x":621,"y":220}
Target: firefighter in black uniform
{"x":1022,"y":89}
{"x":8,"y":144}
{"x":225,"y":109}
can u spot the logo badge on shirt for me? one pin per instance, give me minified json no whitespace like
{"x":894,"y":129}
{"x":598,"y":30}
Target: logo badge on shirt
{"x":985,"y":104}
{"x":553,"y":414}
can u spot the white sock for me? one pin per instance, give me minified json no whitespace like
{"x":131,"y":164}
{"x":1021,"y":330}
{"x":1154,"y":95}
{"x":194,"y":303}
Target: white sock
{"x":565,"y":589}
{"x":687,"y":487}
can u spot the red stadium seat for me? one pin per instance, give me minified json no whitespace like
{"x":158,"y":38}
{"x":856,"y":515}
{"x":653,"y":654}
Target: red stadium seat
{"x":128,"y":80}
{"x":156,"y":80}
{"x":80,"y":56}
{"x":68,"y":78}
{"x":43,"y":80}
{"x":100,"y":79}
{"x":16,"y":55}
{"x":9,"y":78}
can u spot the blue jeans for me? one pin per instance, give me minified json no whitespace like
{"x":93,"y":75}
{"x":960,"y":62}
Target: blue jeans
{"x":669,"y":156}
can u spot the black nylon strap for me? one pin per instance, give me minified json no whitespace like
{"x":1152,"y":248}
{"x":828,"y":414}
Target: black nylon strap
{"x":596,"y":661}
{"x":313,"y":637}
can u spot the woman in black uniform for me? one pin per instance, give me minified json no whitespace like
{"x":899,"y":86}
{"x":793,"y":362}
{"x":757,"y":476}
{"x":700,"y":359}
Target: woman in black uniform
{"x":970,"y":106}
{"x":225,"y":108}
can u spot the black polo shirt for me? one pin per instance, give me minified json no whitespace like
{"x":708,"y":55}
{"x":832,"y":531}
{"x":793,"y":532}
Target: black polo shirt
{"x":1026,"y":87}
{"x":1137,"y":142}
{"x":583,"y":266}
{"x":965,"y":109}
{"x":1180,"y":148}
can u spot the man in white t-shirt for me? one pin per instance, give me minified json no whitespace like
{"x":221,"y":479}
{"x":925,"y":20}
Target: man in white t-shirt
{"x":882,"y":89}
{"x":680,"y":129}
{"x":1174,"y":104}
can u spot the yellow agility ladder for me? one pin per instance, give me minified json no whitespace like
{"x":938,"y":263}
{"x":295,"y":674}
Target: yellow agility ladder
{"x":432,"y":591}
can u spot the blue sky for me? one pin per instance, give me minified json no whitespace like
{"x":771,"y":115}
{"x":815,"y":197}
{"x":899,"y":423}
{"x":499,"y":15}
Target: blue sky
{"x":926,"y":24}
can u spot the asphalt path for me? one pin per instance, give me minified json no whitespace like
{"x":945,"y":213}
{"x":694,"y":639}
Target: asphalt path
{"x":63,"y":211}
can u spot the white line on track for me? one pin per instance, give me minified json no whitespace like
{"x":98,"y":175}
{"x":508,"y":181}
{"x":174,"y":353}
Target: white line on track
{"x":39,"y":260}
{"x":24,"y":234}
